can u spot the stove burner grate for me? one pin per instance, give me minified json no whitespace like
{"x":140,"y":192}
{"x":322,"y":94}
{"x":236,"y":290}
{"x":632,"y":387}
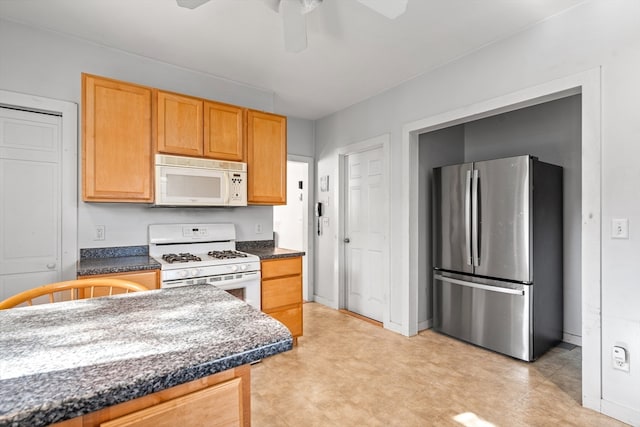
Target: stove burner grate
{"x":229,"y":254}
{"x":183,"y":257}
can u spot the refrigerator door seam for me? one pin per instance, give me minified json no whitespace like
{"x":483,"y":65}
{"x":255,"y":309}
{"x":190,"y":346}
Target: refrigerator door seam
{"x":479,"y":286}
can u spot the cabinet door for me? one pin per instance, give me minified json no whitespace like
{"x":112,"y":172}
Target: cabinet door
{"x":281,"y":292}
{"x":219,"y":405}
{"x":266,"y":158}
{"x":116,"y":141}
{"x":179,"y":124}
{"x":281,"y":267}
{"x":223,"y":131}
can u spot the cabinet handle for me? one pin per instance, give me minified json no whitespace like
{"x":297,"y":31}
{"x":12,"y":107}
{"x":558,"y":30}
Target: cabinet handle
{"x":346,"y":240}
{"x":51,"y":265}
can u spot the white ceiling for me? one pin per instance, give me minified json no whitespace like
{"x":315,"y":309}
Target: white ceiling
{"x":353,"y":53}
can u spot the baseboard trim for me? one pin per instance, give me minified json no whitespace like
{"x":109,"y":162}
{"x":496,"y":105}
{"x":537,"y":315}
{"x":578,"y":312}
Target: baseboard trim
{"x":324,"y":301}
{"x":619,"y":412}
{"x":425,"y":324}
{"x":572,"y":339}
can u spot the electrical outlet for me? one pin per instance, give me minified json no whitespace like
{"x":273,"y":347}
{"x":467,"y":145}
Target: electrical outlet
{"x":100,"y":232}
{"x":620,"y":228}
{"x":258,"y":228}
{"x":620,"y":358}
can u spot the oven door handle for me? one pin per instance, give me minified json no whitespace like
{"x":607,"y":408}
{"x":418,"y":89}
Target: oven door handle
{"x":233,"y":283}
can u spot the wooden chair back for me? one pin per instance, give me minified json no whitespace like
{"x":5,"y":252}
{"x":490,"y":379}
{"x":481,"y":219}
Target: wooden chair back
{"x":76,"y":289}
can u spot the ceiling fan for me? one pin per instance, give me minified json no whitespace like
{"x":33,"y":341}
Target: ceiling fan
{"x":294,"y":11}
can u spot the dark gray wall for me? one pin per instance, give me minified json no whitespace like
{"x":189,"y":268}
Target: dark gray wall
{"x":551,"y":132}
{"x":437,"y":148}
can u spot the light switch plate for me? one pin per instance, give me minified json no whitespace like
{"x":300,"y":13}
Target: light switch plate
{"x":620,"y":228}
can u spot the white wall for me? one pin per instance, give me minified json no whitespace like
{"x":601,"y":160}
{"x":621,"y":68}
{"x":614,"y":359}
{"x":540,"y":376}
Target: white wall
{"x":49,"y":64}
{"x":598,"y":33}
{"x":300,"y":140}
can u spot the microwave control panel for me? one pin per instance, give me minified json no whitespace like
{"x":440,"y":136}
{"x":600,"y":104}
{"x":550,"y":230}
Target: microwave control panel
{"x":238,"y":191}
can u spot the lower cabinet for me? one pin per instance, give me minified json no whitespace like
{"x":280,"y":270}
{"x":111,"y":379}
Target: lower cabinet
{"x":222,"y":399}
{"x":148,"y":278}
{"x":282,"y":292}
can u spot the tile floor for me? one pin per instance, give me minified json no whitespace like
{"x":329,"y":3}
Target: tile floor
{"x":347,"y":372}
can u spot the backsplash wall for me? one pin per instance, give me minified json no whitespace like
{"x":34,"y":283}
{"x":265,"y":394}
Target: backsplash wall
{"x":126,"y":223}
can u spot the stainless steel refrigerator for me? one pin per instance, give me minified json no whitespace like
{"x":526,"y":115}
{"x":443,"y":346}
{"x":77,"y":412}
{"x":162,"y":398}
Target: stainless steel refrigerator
{"x":497,"y":231}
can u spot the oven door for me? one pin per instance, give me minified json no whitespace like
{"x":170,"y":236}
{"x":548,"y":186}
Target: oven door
{"x":184,"y":186}
{"x":245,"y":286}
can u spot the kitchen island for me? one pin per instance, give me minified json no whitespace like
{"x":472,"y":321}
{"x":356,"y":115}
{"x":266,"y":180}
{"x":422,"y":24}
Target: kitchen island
{"x":65,"y":361}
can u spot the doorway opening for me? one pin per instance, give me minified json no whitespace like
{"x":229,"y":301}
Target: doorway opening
{"x":363,"y":282}
{"x":588,"y":85}
{"x":291,"y":222}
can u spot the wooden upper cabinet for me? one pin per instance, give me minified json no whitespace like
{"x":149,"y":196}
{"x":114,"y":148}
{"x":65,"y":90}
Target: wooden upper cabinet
{"x":116,"y":141}
{"x":223,"y":131}
{"x":266,"y":158}
{"x":180,"y":124}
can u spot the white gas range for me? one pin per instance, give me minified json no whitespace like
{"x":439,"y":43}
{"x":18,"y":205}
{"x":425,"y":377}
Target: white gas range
{"x":204,"y":254}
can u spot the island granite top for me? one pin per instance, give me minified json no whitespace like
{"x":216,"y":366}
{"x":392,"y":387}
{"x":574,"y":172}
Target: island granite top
{"x":67,"y":359}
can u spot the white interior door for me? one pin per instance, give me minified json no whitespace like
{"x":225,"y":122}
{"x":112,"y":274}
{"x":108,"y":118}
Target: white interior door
{"x":365,"y":233}
{"x":30,"y":200}
{"x":290,"y":221}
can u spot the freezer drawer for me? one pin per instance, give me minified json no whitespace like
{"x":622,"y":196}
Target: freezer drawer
{"x":482,"y":313}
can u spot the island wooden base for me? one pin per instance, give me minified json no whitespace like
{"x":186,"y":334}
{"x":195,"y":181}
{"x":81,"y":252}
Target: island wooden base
{"x":222,"y":399}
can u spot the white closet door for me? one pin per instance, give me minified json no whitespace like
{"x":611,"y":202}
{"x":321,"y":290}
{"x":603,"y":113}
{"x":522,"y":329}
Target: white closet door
{"x":366,"y":211}
{"x":30,"y":195}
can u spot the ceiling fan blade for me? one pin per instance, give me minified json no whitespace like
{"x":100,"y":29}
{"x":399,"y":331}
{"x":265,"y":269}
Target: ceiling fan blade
{"x":191,"y":4}
{"x":389,"y":8}
{"x":294,"y":26}
{"x":309,"y":5}
{"x":273,"y":5}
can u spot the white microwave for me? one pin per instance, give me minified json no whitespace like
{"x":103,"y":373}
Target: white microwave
{"x":190,"y":181}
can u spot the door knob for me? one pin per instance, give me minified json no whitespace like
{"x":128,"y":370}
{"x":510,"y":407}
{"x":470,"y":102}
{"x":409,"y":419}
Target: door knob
{"x":346,"y":240}
{"x":51,"y":266}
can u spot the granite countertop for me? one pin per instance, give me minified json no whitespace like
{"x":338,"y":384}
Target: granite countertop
{"x":67,"y":359}
{"x":115,"y":260}
{"x":272,"y":253}
{"x":266,"y":249}
{"x":123,"y":264}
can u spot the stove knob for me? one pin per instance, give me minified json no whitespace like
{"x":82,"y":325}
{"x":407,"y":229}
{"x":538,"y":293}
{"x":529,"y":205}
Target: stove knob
{"x":244,"y":267}
{"x":194,"y":272}
{"x":234,"y":268}
{"x":183,"y":273}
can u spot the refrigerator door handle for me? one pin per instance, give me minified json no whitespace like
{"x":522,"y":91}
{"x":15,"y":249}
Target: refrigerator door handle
{"x":467,"y":218}
{"x":474,"y":219}
{"x":478,"y":285}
